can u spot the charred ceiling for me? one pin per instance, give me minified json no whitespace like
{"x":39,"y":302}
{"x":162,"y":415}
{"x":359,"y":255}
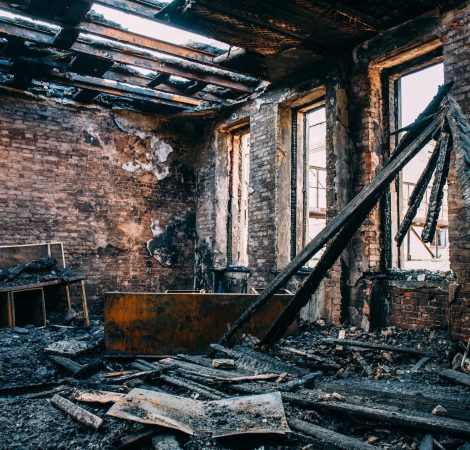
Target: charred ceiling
{"x":69,"y":49}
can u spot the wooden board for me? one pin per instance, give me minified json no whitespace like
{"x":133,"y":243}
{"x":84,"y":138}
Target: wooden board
{"x":151,"y":323}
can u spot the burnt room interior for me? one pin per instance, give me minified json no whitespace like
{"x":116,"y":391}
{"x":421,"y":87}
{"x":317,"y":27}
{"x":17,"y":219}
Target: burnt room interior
{"x":235,"y":224}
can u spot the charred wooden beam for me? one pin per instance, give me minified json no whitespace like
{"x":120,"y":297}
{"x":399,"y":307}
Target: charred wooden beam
{"x":77,"y":413}
{"x":121,"y":89}
{"x":437,"y":190}
{"x":311,"y":284}
{"x":129,"y":76}
{"x":127,"y":53}
{"x":380,"y":347}
{"x":147,"y":9}
{"x":165,"y":64}
{"x":381,"y":414}
{"x":328,"y":439}
{"x":460,"y":128}
{"x":417,"y":195}
{"x":410,"y":145}
{"x":27,"y":30}
{"x":132,"y":38}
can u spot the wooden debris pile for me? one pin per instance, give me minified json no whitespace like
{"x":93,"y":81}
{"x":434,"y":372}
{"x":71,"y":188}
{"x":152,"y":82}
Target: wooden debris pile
{"x":324,"y":387}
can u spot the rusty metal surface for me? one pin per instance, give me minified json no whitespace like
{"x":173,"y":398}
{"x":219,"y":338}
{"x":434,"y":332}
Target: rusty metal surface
{"x":253,"y":414}
{"x":151,"y":323}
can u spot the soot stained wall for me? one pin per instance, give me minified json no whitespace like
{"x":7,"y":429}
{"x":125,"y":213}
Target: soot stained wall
{"x":72,"y":175}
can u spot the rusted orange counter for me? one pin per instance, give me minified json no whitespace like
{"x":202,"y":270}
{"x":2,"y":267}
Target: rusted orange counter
{"x":171,"y":323}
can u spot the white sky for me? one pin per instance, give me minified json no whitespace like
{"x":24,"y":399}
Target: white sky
{"x":417,"y":90}
{"x":154,"y":29}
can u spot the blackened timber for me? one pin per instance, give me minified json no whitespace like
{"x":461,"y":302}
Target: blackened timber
{"x":460,"y":128}
{"x":77,"y":412}
{"x":141,"y":8}
{"x":132,"y":38}
{"x":417,"y":195}
{"x":328,"y":439}
{"x":116,"y":88}
{"x":26,"y":30}
{"x":123,"y":75}
{"x":402,"y":155}
{"x":381,"y":414}
{"x":160,"y":64}
{"x":373,"y":346}
{"x":437,"y":190}
{"x":184,"y":383}
{"x":256,"y":361}
{"x":312,"y":282}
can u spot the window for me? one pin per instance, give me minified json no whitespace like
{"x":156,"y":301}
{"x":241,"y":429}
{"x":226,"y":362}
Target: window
{"x":315,"y":123}
{"x":308,"y":175}
{"x":414,"y":91}
{"x":237,"y":232}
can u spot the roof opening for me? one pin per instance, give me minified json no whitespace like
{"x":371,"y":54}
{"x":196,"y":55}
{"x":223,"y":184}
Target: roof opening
{"x":155,"y":29}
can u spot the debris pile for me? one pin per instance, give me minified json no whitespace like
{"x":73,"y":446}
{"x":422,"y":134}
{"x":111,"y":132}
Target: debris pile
{"x":322,"y":388}
{"x":39,"y":271}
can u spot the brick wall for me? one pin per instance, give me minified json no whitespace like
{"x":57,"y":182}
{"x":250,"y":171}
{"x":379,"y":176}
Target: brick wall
{"x":422,"y":307}
{"x":457,"y":68}
{"x":62,"y":179}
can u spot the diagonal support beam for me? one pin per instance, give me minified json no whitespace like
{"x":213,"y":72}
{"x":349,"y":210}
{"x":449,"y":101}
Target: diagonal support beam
{"x":413,"y":141}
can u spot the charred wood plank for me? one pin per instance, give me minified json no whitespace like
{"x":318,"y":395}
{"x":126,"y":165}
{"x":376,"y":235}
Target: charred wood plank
{"x":415,"y":399}
{"x":305,"y":381}
{"x":457,"y":377}
{"x":143,"y":9}
{"x":437,"y":190}
{"x":389,"y":416}
{"x":460,"y":129}
{"x":417,"y":195}
{"x":381,"y":347}
{"x":328,"y":439}
{"x":410,"y":145}
{"x":77,"y":413}
{"x":257,"y":361}
{"x":193,"y":386}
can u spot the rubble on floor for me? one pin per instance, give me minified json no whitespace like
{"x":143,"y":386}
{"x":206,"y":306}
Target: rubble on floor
{"x":324,"y":387}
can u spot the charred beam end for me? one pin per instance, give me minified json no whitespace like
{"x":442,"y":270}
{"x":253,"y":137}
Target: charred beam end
{"x":86,"y":95}
{"x":195,"y":87}
{"x":159,"y":79}
{"x":66,"y":38}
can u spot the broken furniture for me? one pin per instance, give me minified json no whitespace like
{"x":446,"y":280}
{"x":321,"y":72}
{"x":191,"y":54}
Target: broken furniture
{"x":22,"y":299}
{"x":172,"y":323}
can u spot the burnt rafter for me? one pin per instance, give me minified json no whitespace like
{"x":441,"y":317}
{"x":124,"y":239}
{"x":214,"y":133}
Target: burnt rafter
{"x":107,"y":48}
{"x":121,"y":89}
{"x":96,"y":45}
